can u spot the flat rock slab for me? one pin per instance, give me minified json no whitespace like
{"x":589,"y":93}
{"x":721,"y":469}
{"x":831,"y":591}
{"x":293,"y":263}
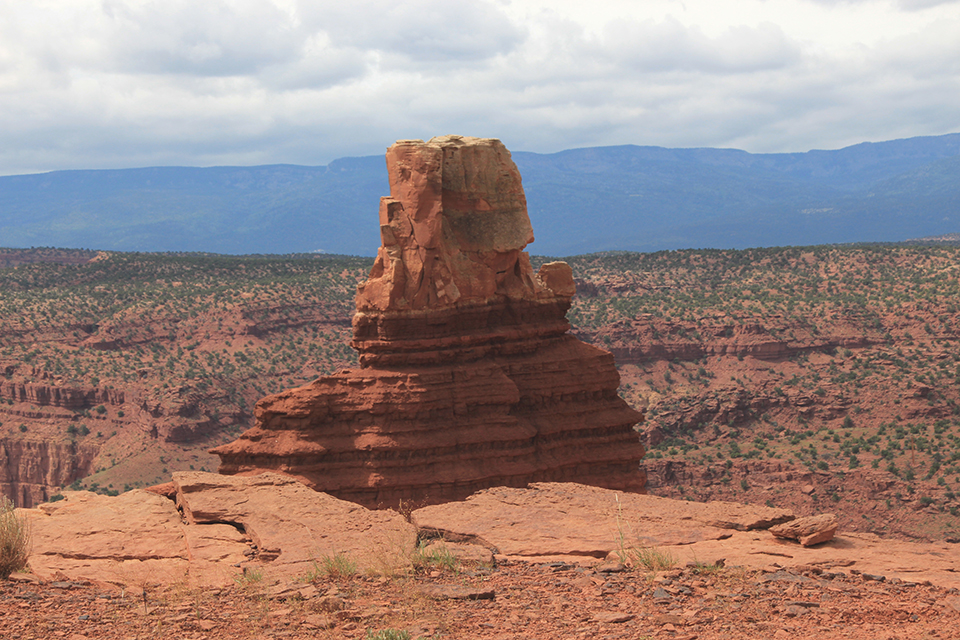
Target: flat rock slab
{"x":136,"y":536}
{"x":863,"y":553}
{"x":549,"y":520}
{"x":568,"y":519}
{"x":271,"y":521}
{"x":293,"y":525}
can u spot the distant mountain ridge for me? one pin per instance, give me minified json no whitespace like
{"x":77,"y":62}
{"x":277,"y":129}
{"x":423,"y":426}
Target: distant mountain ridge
{"x":580,"y":201}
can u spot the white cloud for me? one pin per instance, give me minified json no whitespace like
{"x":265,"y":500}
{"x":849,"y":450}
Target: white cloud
{"x":212,"y":37}
{"x":422,"y":30}
{"x":670,"y":45}
{"x":91,"y":83}
{"x":908,"y":5}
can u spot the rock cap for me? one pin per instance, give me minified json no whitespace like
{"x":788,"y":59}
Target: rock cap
{"x":453,"y":229}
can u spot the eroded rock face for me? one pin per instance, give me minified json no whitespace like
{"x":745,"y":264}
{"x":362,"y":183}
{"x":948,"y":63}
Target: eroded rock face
{"x":227,"y":524}
{"x":29,"y":468}
{"x":468,"y":376}
{"x":453,"y":228}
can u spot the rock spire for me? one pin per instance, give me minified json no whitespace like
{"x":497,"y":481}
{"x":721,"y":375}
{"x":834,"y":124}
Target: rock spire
{"x":469,"y":378}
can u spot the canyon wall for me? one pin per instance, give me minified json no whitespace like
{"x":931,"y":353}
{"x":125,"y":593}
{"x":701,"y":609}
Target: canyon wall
{"x":30,"y":468}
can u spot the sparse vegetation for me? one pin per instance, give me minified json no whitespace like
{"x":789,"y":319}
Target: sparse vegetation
{"x":832,"y":359}
{"x":336,"y":565}
{"x":14,"y":539}
{"x":705,"y":568}
{"x":429,"y":557}
{"x":249,"y":578}
{"x":649,"y":558}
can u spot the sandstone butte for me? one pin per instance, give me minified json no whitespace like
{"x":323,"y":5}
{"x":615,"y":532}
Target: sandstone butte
{"x":469,"y":377}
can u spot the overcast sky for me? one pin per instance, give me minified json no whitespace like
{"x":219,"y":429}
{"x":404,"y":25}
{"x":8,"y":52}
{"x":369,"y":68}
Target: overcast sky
{"x":133,"y":83}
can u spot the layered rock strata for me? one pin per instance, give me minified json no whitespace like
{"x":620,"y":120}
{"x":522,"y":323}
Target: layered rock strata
{"x":469,"y":378}
{"x":30,"y":468}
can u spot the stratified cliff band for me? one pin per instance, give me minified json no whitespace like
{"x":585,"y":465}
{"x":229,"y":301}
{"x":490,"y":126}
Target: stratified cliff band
{"x":469,"y":378}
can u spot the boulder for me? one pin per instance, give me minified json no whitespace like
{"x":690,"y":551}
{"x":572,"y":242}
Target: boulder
{"x":808,"y":531}
{"x":469,"y":376}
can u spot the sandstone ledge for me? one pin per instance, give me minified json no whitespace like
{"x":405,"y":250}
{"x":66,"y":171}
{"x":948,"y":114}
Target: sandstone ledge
{"x":278,"y":526}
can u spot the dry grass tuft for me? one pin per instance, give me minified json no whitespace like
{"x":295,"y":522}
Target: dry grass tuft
{"x":14,"y":539}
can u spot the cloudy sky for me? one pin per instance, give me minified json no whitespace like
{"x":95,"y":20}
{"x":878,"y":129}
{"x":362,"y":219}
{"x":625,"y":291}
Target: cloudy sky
{"x":132,"y":83}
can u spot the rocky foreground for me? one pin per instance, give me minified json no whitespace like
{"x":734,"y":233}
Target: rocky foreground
{"x":514,"y":600}
{"x":267,"y":557}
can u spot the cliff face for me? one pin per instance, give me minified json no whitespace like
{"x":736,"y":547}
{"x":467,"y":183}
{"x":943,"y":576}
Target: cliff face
{"x":468,"y":376}
{"x":46,"y":395}
{"x":152,"y":360}
{"x":30,"y":468}
{"x":647,"y":338}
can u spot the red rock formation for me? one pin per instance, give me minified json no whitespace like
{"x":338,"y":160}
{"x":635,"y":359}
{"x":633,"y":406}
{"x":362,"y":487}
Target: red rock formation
{"x":468,"y":376}
{"x":43,"y":395}
{"x":29,"y":468}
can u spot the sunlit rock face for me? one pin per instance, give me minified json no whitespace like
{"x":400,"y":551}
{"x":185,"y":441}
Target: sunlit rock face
{"x":469,"y":378}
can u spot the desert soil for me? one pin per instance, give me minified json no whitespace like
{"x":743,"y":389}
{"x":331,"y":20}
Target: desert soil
{"x":513,"y":600}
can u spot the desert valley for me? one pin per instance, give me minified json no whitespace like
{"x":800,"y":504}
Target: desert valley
{"x":767,"y":385}
{"x":836,"y":365}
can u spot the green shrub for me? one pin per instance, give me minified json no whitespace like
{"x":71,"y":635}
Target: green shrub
{"x":14,"y":539}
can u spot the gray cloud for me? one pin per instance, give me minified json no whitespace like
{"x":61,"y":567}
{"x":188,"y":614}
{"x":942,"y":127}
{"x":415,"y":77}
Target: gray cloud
{"x":212,"y":37}
{"x":123,"y":83}
{"x":422,"y":30}
{"x":670,"y":45}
